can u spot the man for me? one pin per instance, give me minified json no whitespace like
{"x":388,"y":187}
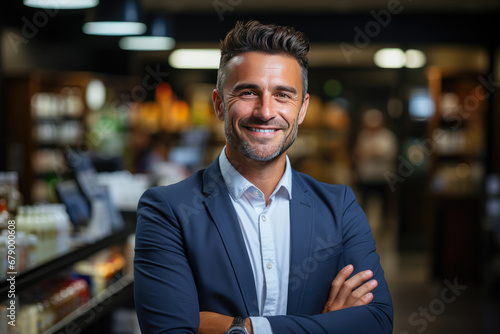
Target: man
{"x":249,"y":245}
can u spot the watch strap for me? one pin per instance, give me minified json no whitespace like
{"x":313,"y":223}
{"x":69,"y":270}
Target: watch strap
{"x":238,"y":326}
{"x":238,"y":322}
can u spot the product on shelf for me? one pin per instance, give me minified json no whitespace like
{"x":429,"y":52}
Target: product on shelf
{"x":67,"y":103}
{"x":50,"y":302}
{"x":101,"y":270}
{"x":10,"y":200}
{"x":42,"y":232}
{"x":45,"y":305}
{"x":10,"y":197}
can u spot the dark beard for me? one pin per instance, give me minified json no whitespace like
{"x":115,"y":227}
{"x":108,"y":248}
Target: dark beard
{"x":244,"y":148}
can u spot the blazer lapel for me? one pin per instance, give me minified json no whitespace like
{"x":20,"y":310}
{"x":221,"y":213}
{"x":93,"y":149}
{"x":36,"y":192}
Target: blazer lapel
{"x":224,"y":216}
{"x":301,"y":220}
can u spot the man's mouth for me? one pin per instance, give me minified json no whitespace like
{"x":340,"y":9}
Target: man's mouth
{"x":262,"y":130}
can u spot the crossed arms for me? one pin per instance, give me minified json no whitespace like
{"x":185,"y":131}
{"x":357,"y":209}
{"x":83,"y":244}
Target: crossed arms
{"x":344,"y":292}
{"x":190,"y":287}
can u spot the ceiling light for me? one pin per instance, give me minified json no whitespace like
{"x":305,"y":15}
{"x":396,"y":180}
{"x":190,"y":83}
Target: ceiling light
{"x":195,"y":58}
{"x":147,"y":43}
{"x":390,"y":58}
{"x":58,"y":4}
{"x":157,"y":39}
{"x":114,"y":28}
{"x":415,"y":58}
{"x":115,"y":18}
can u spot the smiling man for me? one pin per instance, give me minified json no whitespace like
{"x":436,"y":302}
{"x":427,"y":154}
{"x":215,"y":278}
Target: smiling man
{"x":263,"y":105}
{"x":248,"y":245}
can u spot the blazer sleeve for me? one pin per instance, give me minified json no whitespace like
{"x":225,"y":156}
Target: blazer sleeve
{"x":359,"y":250}
{"x":164,"y":289}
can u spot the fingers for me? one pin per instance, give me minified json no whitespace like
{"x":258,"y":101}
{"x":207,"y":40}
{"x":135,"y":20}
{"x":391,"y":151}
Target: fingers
{"x":349,"y":294}
{"x":362,"y":295}
{"x":365,"y":300}
{"x":354,"y":291}
{"x":337,"y":283}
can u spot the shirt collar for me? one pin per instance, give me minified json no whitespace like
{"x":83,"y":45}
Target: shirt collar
{"x":237,"y":185}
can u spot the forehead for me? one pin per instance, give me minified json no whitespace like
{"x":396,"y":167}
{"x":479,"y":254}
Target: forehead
{"x":259,"y":67}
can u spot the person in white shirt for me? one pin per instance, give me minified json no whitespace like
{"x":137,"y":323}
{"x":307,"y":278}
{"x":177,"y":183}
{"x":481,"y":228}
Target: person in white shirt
{"x":249,"y":245}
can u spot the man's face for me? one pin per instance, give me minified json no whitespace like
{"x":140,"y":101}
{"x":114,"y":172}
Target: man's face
{"x":262,"y":105}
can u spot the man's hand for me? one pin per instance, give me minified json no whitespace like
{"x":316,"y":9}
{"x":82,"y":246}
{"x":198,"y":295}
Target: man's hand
{"x":215,"y":323}
{"x":354,"y":291}
{"x":344,"y":293}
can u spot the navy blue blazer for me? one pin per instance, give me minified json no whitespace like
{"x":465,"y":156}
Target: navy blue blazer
{"x":190,"y":257}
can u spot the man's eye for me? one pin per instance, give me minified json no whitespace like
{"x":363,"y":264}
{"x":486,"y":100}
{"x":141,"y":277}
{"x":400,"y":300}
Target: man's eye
{"x":248,"y":93}
{"x":282,"y":95}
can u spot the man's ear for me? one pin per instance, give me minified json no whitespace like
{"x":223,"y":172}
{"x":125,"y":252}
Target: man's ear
{"x":303,"y":109}
{"x":218,"y":104}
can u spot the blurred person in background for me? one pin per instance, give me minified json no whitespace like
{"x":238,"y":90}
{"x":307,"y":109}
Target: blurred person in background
{"x":374,"y":157}
{"x":154,"y":158}
{"x":249,"y":245}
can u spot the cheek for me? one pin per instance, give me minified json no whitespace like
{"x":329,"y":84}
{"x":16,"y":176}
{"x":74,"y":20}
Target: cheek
{"x":238,"y":110}
{"x":292,"y":115}
{"x":231,"y":118}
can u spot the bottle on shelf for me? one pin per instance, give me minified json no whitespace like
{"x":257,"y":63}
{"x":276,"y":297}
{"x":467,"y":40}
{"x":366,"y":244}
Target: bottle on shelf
{"x":63,"y":227}
{"x":44,"y":231}
{"x":10,"y":196}
{"x":32,"y":251}
{"x":3,"y":254}
{"x":4,"y":212}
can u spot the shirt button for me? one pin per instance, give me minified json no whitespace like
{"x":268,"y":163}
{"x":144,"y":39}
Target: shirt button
{"x":256,"y":192}
{"x":269,"y":266}
{"x":264,"y":218}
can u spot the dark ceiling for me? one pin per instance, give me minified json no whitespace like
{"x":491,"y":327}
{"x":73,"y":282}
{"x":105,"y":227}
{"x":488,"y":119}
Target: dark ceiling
{"x":430,"y":22}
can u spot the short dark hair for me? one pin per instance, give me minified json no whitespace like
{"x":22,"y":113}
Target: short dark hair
{"x":267,"y":38}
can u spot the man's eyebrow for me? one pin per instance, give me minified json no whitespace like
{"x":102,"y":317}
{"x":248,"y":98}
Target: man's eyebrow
{"x":286,"y":89}
{"x":244,"y":86}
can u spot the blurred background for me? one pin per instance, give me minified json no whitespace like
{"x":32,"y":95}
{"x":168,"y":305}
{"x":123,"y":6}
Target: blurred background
{"x":100,"y":100}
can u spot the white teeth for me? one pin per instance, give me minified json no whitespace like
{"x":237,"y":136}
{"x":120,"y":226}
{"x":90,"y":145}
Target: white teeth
{"x":262,"y":130}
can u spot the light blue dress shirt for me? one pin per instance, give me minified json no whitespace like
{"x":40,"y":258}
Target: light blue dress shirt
{"x":266,"y":231}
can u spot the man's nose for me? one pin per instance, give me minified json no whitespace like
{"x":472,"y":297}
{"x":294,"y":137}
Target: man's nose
{"x":264,"y":110}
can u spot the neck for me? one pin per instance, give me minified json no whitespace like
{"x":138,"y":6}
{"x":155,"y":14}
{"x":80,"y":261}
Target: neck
{"x":265,"y":175}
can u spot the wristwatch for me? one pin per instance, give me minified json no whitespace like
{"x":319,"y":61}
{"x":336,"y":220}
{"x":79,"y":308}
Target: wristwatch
{"x":237,"y":327}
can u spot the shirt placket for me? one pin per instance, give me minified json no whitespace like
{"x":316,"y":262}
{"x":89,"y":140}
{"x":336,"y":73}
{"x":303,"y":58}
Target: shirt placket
{"x":268,"y":263}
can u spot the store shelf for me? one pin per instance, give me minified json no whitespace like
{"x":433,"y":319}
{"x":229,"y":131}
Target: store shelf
{"x":456,"y":176}
{"x":47,"y":269}
{"x":95,"y":308}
